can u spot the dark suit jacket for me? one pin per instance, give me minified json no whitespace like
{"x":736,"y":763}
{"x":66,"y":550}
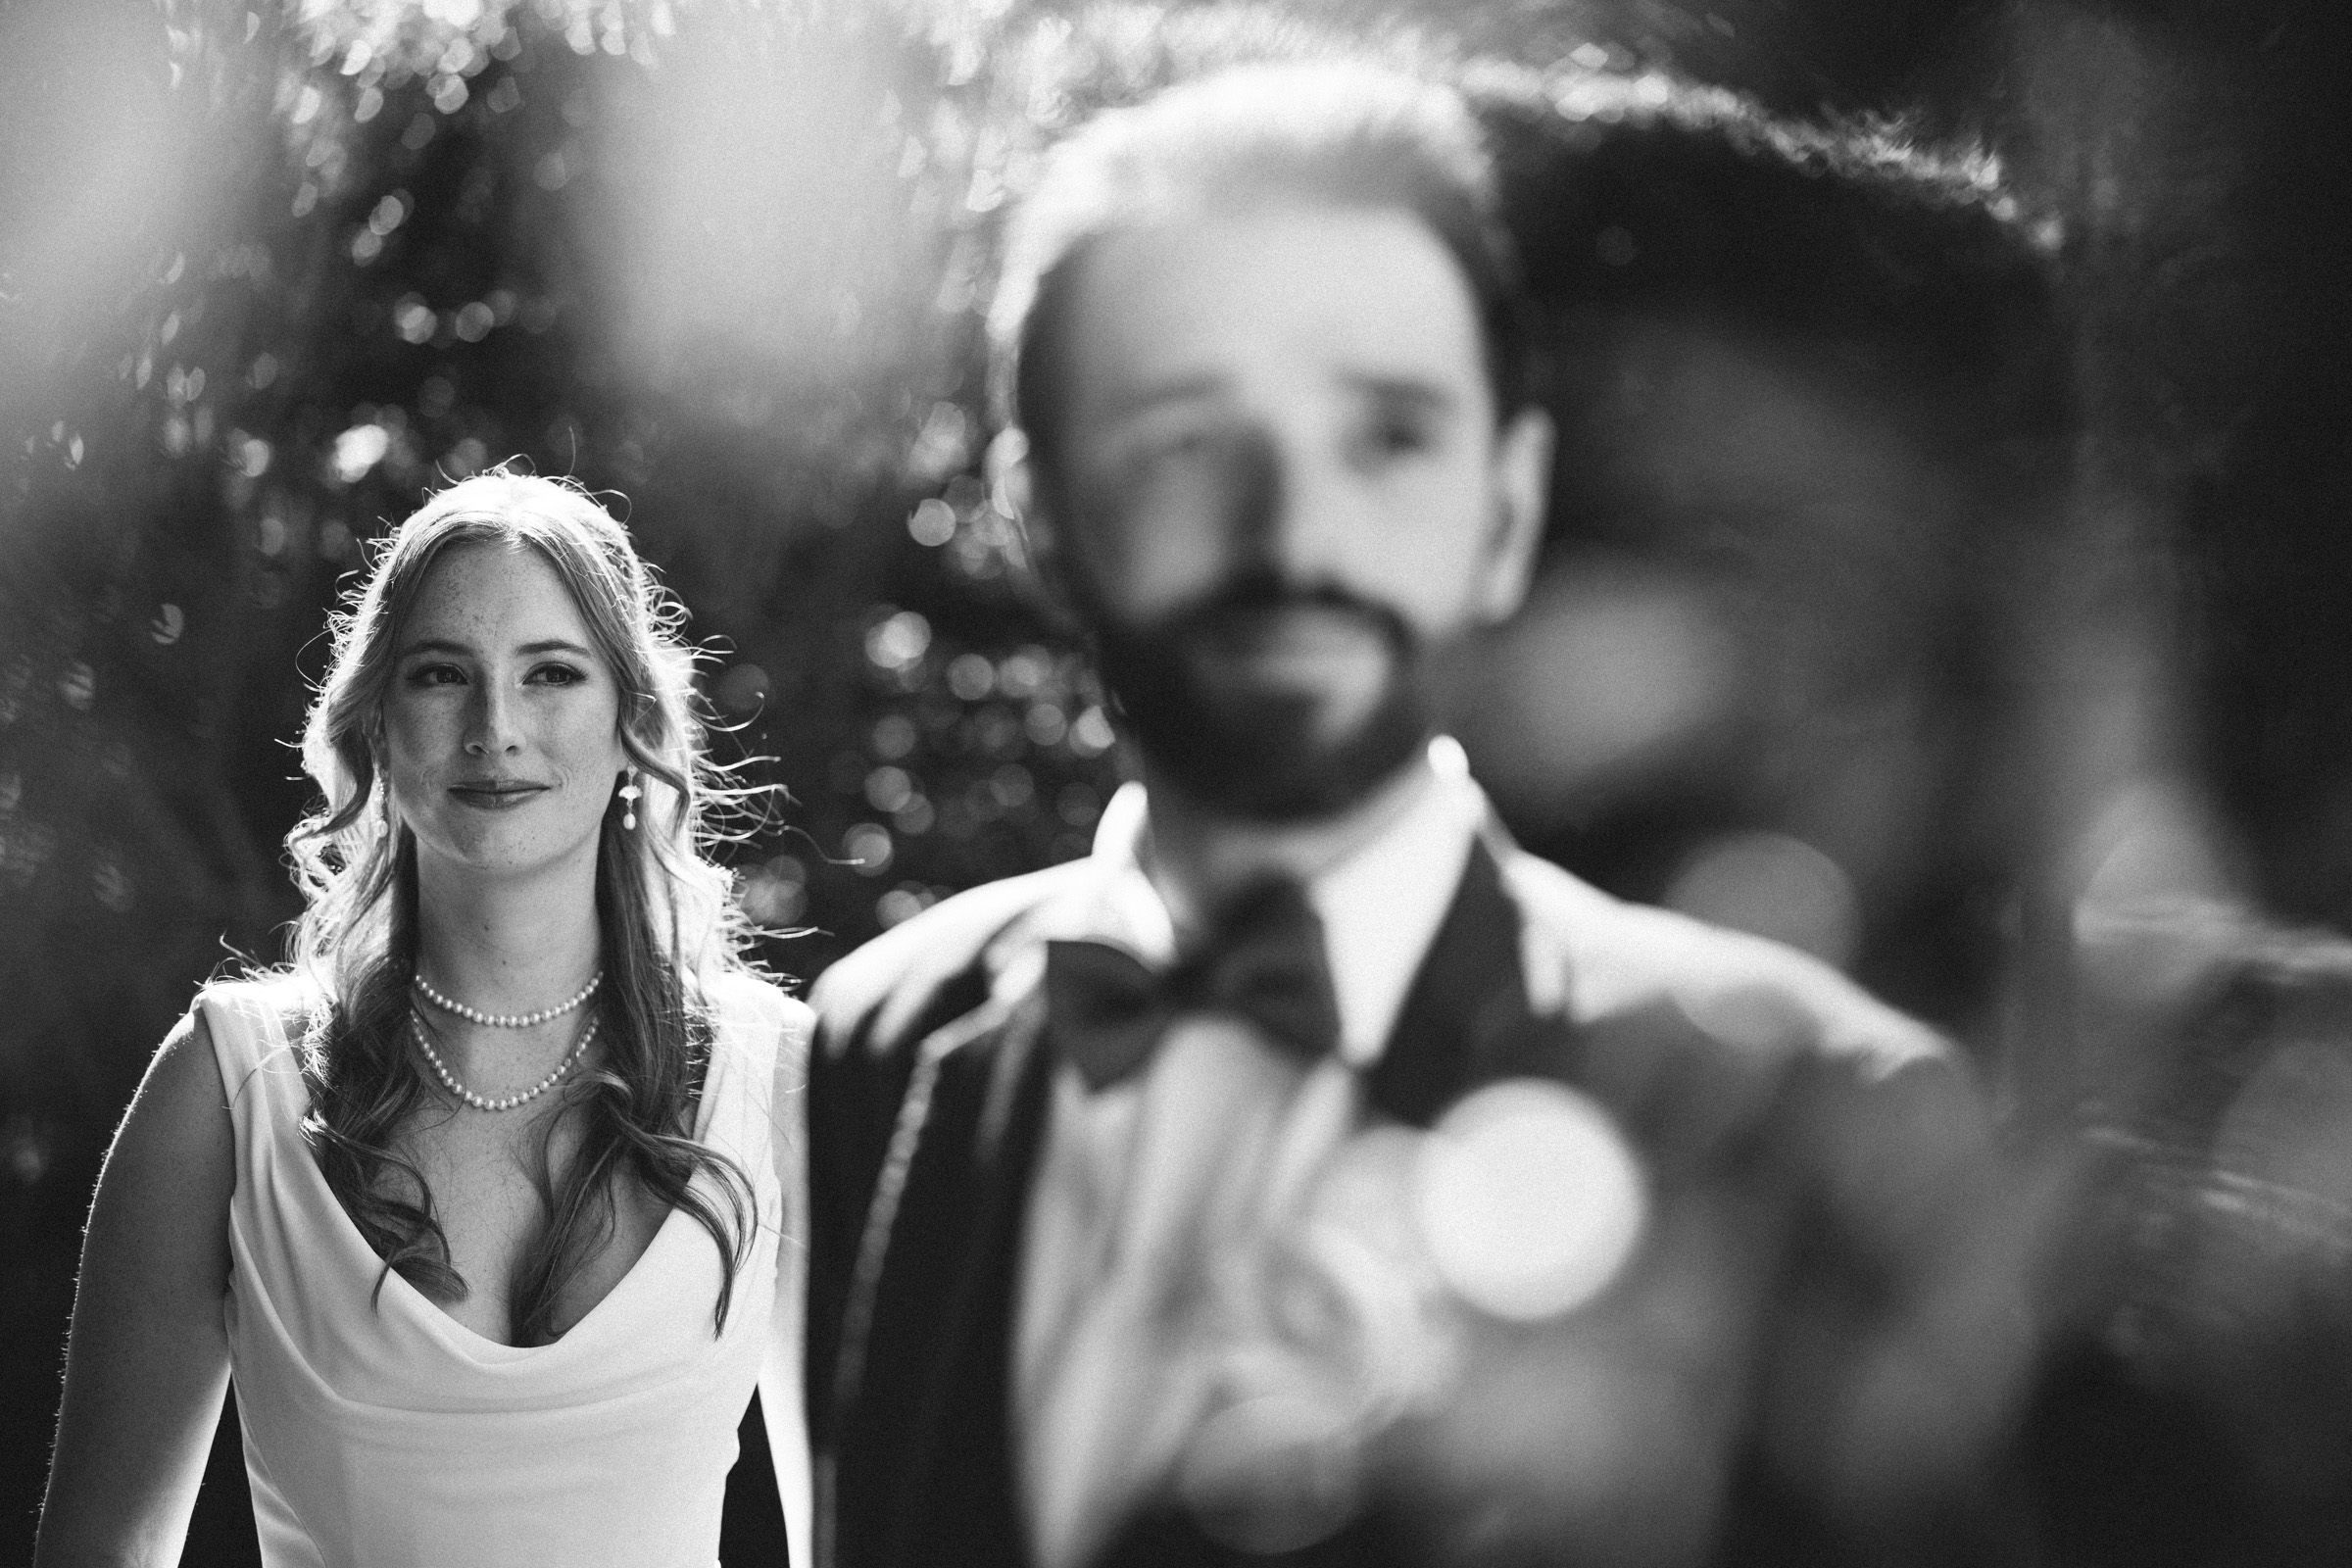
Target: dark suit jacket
{"x":1721,"y":1056}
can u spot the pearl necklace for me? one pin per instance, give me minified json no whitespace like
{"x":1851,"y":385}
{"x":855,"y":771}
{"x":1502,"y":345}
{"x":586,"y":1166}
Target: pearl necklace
{"x":505,"y":1020}
{"x":449,"y":1080}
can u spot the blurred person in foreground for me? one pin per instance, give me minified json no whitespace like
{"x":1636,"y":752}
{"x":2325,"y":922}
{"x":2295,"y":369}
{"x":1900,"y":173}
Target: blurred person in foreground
{"x":1309,"y":1173}
{"x":2197,"y":1406}
{"x":489,"y":1203}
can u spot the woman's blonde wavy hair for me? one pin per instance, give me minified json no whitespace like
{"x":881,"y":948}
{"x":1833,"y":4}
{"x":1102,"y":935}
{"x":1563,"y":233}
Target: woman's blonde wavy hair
{"x":670,"y":933}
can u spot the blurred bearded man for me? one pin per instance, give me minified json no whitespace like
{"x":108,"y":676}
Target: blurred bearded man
{"x":1131,"y":1240}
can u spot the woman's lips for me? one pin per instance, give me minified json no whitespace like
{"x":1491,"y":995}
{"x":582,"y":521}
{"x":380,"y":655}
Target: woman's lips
{"x":496,"y":797}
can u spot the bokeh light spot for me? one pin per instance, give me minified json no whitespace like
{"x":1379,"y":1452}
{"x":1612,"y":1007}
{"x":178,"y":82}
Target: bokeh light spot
{"x":898,"y":641}
{"x":932,"y":522}
{"x":26,"y":1150}
{"x":902,"y":903}
{"x":358,"y":450}
{"x":971,"y":676}
{"x":1045,"y":724}
{"x":1773,"y":886}
{"x":944,"y":443}
{"x":888,"y":788}
{"x":1529,"y":1200}
{"x":867,"y":849}
{"x":895,"y":736}
{"x":1025,"y":671}
{"x":775,"y":895}
{"x":390,"y":213}
{"x":413,"y":319}
{"x":1091,"y":735}
{"x":1013,"y":786}
{"x":742,"y":689}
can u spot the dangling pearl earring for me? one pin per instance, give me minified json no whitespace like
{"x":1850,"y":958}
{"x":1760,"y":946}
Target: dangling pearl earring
{"x":630,"y":794}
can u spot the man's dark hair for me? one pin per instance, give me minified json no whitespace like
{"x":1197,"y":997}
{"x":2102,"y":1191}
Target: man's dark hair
{"x":1569,"y":201}
{"x":1633,"y":196}
{"x":1317,"y":133}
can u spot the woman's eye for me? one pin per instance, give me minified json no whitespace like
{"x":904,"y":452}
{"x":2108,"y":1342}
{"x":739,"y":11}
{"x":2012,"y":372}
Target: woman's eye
{"x":436,"y":675}
{"x":557,"y":676}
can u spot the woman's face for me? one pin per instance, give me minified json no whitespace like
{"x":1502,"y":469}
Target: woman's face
{"x":502,"y":725}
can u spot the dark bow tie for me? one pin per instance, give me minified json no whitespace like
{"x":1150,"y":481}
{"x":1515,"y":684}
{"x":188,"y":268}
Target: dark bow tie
{"x":1264,"y":962}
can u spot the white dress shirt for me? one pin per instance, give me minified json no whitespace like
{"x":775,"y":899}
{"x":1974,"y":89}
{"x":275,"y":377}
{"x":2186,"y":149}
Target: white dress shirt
{"x":1104,"y":1175}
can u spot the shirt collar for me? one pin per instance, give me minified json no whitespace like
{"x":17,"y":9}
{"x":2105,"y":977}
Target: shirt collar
{"x":1381,"y":907}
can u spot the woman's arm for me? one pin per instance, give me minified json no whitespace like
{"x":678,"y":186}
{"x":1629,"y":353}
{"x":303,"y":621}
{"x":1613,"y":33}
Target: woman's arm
{"x":148,"y":1358}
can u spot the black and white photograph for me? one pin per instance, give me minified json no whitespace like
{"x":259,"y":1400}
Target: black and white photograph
{"x":1175,"y":783}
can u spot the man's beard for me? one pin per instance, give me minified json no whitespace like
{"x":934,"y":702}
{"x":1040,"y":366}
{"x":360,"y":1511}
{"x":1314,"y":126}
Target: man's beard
{"x":1260,"y":752}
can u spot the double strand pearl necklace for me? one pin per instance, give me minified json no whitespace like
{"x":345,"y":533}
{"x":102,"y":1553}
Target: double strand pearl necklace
{"x":507,"y":1020}
{"x":449,"y":1080}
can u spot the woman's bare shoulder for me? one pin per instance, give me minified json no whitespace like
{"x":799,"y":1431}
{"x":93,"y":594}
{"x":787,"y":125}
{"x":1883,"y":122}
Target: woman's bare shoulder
{"x":179,"y":1118}
{"x":273,"y":1002}
{"x":186,"y":1057}
{"x":270,"y":992}
{"x":252,"y":1026}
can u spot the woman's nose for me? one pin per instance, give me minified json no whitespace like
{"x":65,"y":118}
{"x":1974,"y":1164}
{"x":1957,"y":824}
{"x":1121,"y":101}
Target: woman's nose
{"x":490,"y":722}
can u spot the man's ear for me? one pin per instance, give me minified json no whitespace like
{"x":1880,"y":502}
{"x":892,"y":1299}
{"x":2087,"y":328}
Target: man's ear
{"x":1013,"y":490}
{"x":1522,"y":487}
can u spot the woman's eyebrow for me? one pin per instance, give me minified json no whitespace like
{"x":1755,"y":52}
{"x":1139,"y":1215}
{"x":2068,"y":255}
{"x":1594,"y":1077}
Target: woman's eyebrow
{"x":444,"y":645}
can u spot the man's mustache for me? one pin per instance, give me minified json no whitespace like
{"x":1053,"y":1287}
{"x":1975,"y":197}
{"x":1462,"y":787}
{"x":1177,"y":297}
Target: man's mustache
{"x":1254,"y":750}
{"x":1260,"y":590}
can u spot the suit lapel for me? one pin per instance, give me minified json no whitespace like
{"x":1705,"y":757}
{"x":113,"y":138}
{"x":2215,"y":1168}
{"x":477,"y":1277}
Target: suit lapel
{"x":1466,"y":1020}
{"x":923,"y":1399}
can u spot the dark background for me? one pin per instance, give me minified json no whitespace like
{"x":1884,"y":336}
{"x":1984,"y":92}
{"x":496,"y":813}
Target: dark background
{"x":263,"y":282}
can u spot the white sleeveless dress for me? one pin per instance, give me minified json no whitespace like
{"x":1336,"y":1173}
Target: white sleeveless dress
{"x":380,"y":1433}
